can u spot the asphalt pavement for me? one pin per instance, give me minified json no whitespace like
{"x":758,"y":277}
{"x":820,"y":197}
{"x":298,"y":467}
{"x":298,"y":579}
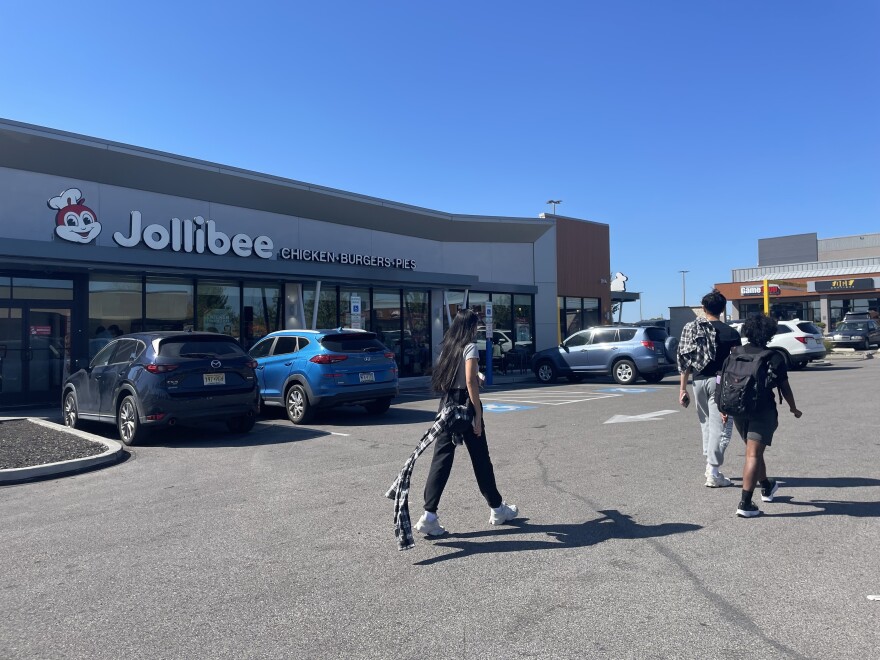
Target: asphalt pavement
{"x":279,"y":544}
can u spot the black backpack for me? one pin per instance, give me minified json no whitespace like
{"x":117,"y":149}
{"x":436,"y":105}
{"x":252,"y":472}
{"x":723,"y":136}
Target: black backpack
{"x":747,"y":382}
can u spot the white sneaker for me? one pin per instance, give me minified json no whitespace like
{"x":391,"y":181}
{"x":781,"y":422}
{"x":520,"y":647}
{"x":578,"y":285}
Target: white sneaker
{"x":430,"y":527}
{"x":718,"y":482}
{"x":503,"y":513}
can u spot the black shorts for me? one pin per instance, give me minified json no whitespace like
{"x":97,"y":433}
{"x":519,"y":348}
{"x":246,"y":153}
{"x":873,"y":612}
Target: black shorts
{"x":760,"y":427}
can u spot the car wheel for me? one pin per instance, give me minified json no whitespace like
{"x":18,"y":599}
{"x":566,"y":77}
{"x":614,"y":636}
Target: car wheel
{"x":378,"y":406}
{"x":867,"y":345}
{"x":624,"y":372}
{"x":546,"y":372}
{"x":128,"y":424}
{"x":242,"y":424}
{"x":670,"y":346}
{"x":70,"y":411}
{"x":653,"y":378}
{"x":299,"y":410}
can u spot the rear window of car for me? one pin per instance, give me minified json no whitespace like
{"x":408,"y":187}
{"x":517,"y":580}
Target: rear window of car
{"x":806,"y":326}
{"x":852,"y":327}
{"x":196,"y":347}
{"x":656,"y":334}
{"x":625,"y":334}
{"x":360,"y":342}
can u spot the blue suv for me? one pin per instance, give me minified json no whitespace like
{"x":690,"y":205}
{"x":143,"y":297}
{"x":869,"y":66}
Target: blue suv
{"x":304,"y":370}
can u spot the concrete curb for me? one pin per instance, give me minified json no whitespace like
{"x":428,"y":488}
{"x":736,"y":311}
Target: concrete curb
{"x":111,"y":455}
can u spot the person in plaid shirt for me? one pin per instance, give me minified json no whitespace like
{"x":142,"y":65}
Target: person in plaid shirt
{"x":704,"y":345}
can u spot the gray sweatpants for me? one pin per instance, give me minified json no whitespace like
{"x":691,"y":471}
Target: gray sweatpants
{"x":716,"y":435}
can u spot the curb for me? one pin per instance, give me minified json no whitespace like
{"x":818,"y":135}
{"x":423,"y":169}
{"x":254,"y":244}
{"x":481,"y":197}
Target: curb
{"x":111,"y":455}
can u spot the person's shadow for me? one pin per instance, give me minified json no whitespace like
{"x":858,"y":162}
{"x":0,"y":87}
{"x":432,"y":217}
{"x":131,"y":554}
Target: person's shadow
{"x":612,"y":525}
{"x":826,"y":507}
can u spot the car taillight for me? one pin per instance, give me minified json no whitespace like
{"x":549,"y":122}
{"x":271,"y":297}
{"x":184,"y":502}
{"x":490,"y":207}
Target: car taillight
{"x":802,"y":340}
{"x":389,"y":355}
{"x":648,"y":344}
{"x":327,"y":358}
{"x":160,"y":368}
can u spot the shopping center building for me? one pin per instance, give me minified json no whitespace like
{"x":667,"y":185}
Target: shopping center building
{"x":809,"y":278}
{"x":101,"y":238}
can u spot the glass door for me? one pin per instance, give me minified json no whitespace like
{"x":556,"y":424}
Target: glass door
{"x":34,"y":352}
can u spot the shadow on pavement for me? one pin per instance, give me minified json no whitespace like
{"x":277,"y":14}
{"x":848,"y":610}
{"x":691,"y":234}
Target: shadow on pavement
{"x":827,"y":508}
{"x":826,"y":482}
{"x":612,"y":525}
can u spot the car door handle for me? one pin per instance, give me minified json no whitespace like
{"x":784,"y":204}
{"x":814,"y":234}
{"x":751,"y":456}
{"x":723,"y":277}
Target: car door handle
{"x":259,"y":367}
{"x":287,"y":364}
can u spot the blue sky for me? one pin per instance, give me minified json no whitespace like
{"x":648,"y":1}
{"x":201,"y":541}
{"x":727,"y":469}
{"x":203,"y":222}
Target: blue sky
{"x":692,"y":128}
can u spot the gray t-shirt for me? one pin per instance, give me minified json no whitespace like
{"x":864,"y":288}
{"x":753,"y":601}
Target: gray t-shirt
{"x":470,"y":353}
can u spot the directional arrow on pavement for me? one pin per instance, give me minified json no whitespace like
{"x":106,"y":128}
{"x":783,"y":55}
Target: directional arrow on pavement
{"x":647,"y":417}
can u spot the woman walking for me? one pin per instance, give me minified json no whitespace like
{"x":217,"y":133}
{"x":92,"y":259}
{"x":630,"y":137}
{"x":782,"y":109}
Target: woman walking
{"x":457,"y":378}
{"x":757,"y":429}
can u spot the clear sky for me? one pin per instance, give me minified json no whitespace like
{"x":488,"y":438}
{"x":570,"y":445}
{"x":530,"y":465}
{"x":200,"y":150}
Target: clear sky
{"x":691,"y":128}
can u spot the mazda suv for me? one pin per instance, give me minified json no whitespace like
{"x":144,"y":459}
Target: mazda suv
{"x":146,"y":380}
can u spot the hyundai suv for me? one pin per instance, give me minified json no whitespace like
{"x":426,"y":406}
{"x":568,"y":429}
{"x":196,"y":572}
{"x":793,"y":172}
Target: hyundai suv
{"x":799,"y":342}
{"x":303,"y":370}
{"x":623,"y":352}
{"x":146,"y":380}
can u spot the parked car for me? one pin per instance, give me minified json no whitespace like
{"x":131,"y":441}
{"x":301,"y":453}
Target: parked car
{"x":501,"y":337}
{"x":303,"y":370}
{"x":856,"y":334}
{"x":145,"y":380}
{"x":623,"y":352}
{"x":800,"y":342}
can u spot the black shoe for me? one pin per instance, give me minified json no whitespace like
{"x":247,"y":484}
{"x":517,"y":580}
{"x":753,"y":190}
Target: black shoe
{"x":747,"y":510}
{"x":768,"y":493}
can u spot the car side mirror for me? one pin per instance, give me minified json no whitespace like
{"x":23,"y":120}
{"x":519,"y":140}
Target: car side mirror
{"x":564,"y":348}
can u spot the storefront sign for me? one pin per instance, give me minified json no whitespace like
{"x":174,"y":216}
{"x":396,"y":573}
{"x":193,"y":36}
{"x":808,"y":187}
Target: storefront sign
{"x":346,"y":258}
{"x":852,"y":284}
{"x":758,"y":290}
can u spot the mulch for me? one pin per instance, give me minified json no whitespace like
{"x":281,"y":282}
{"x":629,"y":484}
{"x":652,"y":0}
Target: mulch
{"x":26,"y":444}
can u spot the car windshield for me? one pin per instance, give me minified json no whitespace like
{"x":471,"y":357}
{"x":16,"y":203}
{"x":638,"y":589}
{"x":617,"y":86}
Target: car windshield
{"x":199,"y":347}
{"x":361,"y":342}
{"x":852,"y":327}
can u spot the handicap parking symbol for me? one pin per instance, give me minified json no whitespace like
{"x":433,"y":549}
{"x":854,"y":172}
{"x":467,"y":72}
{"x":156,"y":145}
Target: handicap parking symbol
{"x":628,"y":390}
{"x":504,"y":407}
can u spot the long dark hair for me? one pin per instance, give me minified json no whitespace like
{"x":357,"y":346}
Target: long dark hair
{"x":462,"y":332}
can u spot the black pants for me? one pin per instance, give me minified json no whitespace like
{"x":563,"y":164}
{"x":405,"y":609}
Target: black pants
{"x":444,"y":455}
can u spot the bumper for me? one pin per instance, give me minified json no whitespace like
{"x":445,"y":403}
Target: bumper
{"x":191,"y":410}
{"x":809,"y":356}
{"x":358,"y":395}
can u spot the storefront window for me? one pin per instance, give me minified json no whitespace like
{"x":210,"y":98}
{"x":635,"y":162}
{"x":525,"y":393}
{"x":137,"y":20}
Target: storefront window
{"x":345,"y":295}
{"x":574,"y":318}
{"x":524,"y":323}
{"x":169,"y":304}
{"x":218,"y":307}
{"x":454,"y":300}
{"x":115,"y":308}
{"x":387,"y":321}
{"x":592,"y":313}
{"x":27,"y":288}
{"x":416,"y":331}
{"x":5,"y":288}
{"x":260,"y":311}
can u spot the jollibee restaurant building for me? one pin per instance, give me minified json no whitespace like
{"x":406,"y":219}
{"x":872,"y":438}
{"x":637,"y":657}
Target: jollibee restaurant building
{"x":99,"y":239}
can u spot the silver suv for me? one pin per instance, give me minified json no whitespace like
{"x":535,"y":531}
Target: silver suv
{"x":623,"y":352}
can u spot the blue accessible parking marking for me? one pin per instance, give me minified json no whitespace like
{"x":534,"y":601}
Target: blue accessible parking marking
{"x":628,"y":390}
{"x":504,"y":407}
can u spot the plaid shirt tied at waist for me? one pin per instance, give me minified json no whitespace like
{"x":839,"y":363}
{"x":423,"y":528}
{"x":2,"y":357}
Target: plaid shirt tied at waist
{"x":696,"y":348}
{"x":399,"y":491}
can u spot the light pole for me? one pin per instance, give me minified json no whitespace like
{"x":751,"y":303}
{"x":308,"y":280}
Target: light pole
{"x":554,"y":202}
{"x":683,"y":296}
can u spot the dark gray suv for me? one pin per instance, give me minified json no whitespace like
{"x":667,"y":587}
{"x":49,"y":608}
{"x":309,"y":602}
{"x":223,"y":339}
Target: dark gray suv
{"x":623,"y":352}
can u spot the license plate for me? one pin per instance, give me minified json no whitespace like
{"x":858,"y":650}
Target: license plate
{"x":214,"y":379}
{"x":367,"y":377}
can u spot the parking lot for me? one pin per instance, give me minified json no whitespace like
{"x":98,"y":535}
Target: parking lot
{"x":279,"y":544}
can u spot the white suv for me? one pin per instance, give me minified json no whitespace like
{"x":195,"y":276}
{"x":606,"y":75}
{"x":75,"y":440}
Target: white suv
{"x":799,"y":341}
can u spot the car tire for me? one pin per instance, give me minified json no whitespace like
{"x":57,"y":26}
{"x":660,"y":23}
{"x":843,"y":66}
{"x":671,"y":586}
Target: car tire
{"x":546,"y":372}
{"x":379,"y":406}
{"x":296,"y":403}
{"x":70,"y":411}
{"x":671,"y":348}
{"x":128,"y":424}
{"x":624,"y":372}
{"x":241,"y":424}
{"x":653,"y":378}
{"x":867,"y":345}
